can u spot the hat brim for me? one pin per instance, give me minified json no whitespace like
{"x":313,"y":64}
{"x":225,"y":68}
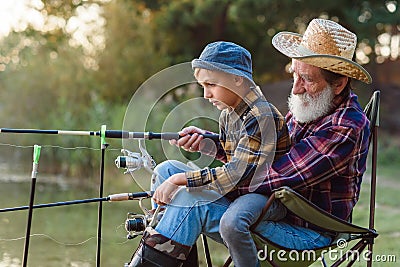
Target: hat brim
{"x":289,"y":44}
{"x":215,"y":66}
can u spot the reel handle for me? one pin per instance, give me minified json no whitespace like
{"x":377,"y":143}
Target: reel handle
{"x":129,"y":196}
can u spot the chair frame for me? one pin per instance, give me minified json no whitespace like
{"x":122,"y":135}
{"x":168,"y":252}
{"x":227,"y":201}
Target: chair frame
{"x":372,"y":111}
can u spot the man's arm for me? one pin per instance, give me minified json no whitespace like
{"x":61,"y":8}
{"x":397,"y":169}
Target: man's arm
{"x":312,"y":160}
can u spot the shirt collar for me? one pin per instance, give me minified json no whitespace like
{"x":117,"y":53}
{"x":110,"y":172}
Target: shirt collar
{"x":251,"y":97}
{"x":340,"y":100}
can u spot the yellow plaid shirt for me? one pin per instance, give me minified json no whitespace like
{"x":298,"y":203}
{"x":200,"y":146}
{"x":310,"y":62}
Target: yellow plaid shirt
{"x":252,"y":136}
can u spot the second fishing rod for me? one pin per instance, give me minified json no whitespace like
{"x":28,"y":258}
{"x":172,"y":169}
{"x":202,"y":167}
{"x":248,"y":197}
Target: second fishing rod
{"x":110,"y":198}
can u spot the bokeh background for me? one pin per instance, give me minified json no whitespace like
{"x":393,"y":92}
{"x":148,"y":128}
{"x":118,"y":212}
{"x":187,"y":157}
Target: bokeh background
{"x":75,"y":65}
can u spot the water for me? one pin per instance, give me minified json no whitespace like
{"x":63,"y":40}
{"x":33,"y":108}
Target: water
{"x":61,"y":236}
{"x":67,"y":235}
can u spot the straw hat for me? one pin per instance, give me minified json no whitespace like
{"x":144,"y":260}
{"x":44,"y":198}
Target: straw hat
{"x":325,"y":44}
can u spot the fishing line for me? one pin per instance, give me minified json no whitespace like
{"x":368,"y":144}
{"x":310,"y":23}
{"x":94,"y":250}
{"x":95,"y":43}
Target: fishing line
{"x":61,"y":147}
{"x":49,"y":237}
{"x":62,"y":243}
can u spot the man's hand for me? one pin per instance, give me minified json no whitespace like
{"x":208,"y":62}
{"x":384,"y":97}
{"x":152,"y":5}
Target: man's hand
{"x":190,"y":140}
{"x":166,"y":191}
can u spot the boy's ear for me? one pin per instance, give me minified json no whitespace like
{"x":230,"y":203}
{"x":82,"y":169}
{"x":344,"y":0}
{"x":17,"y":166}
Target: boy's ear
{"x":238,"y":80}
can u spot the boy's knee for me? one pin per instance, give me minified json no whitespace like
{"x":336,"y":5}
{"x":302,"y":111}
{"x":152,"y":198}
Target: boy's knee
{"x":232,"y":226}
{"x":164,"y":166}
{"x":163,"y":171}
{"x":225,"y":227}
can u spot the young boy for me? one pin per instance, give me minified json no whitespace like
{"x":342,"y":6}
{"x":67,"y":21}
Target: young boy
{"x":252,"y":134}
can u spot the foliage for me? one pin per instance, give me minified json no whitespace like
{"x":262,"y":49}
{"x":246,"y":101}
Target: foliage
{"x":183,"y":28}
{"x":132,"y":53}
{"x":388,"y":150}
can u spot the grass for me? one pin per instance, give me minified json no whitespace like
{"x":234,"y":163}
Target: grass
{"x":387,"y":217}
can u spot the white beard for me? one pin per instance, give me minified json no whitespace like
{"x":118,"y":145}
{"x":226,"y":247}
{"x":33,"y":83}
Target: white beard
{"x":307,"y":108}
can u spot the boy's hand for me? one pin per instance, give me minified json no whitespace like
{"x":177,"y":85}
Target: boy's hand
{"x":190,"y":140}
{"x":166,"y":191}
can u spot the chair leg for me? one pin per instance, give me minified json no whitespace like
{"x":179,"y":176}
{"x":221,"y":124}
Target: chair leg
{"x":323,"y":262}
{"x":346,"y":255}
{"x":227,"y":262}
{"x":370,"y":248}
{"x":206,"y":250}
{"x":359,"y":247}
{"x":354,"y":258}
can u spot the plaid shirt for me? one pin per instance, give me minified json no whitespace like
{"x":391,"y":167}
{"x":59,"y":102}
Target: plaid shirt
{"x":251,"y":136}
{"x":326,"y":162}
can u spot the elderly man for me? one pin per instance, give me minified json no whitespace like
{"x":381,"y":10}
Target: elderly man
{"x":329,"y":134}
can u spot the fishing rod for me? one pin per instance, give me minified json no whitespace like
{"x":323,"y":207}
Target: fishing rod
{"x":110,"y":198}
{"x":35,"y":165}
{"x":108,"y":134}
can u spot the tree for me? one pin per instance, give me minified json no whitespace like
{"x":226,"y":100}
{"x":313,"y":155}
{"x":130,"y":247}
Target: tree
{"x":180,"y":29}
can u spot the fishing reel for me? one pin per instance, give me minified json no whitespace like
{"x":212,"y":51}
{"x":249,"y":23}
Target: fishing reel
{"x":132,"y":161}
{"x":135,"y":224}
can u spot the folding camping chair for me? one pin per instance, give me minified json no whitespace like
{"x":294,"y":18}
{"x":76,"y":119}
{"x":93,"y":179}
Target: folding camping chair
{"x":306,"y":210}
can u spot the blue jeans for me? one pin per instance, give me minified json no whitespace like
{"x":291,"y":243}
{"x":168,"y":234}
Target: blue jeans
{"x":206,"y":212}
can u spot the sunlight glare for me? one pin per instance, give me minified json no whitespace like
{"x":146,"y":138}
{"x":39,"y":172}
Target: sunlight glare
{"x":86,"y":26}
{"x":391,"y":6}
{"x":17,"y":15}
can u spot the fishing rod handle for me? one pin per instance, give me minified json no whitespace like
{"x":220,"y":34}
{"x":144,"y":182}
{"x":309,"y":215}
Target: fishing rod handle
{"x":170,"y":136}
{"x":129,"y":196}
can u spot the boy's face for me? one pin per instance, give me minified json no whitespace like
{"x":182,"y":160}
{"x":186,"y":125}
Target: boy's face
{"x":219,"y":88}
